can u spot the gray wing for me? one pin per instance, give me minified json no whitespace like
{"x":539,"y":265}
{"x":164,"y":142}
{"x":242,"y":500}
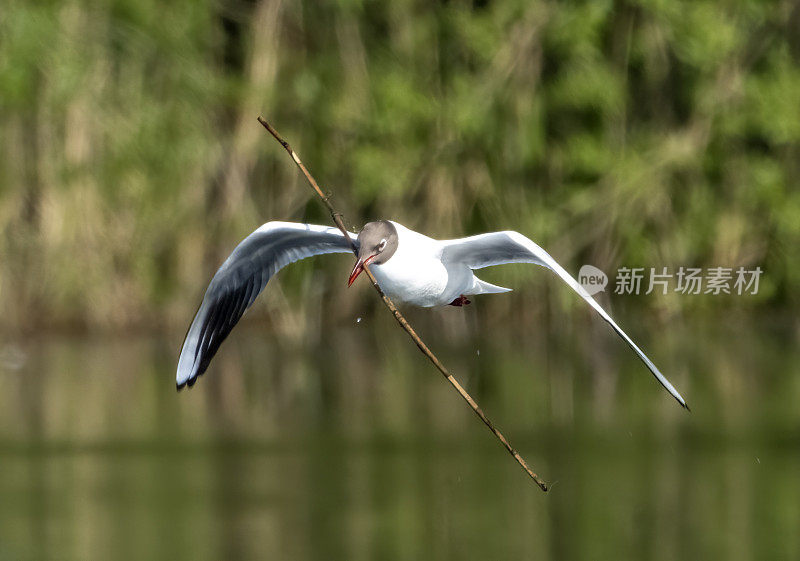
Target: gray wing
{"x":241,"y":278}
{"x":499,"y":248}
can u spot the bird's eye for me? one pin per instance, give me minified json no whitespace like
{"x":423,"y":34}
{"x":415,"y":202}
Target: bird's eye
{"x":382,"y":245}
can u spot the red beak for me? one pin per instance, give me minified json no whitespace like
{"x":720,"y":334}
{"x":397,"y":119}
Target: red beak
{"x":358,"y":268}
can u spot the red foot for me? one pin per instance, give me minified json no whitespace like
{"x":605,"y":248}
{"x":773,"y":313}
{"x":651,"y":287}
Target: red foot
{"x":460,"y":301}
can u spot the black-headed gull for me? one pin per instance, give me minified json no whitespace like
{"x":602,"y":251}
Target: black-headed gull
{"x":409,"y":267}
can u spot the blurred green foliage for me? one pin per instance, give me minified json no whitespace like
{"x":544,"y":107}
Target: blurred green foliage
{"x":624,"y":133}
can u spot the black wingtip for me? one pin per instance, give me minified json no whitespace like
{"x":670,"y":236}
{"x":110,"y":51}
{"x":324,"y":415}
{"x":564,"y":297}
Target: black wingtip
{"x":186,"y":383}
{"x":189,"y":382}
{"x":686,"y":406}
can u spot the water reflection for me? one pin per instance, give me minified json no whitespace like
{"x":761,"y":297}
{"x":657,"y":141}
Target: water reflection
{"x":353,"y":448}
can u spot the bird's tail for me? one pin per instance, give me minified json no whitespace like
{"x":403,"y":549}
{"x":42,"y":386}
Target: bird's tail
{"x":483,"y":287}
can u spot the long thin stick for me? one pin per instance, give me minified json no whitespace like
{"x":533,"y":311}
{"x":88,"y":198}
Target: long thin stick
{"x":337,"y":219}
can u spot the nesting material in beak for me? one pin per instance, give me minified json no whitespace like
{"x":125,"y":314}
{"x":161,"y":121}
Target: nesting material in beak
{"x":358,"y":268}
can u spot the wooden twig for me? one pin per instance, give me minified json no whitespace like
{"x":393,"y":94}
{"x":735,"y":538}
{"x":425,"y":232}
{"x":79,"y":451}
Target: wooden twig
{"x":337,"y":219}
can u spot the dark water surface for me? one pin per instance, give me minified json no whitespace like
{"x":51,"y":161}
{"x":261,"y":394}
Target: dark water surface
{"x":352,"y":447}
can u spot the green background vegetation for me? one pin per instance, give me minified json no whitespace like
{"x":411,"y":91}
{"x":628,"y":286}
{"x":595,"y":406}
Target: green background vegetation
{"x":637,"y":134}
{"x":646,"y":133}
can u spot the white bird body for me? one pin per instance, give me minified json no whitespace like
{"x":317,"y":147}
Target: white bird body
{"x":417,"y":275}
{"x":409,"y":267}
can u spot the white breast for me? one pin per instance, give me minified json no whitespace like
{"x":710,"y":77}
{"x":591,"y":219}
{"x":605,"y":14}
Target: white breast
{"x":416,"y":275}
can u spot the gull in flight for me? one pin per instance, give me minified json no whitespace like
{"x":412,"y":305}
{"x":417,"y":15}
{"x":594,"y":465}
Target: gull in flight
{"x":409,"y":267}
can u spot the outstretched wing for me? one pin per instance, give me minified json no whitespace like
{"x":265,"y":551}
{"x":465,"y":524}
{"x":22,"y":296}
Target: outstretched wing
{"x":240,"y":280}
{"x":499,"y":248}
